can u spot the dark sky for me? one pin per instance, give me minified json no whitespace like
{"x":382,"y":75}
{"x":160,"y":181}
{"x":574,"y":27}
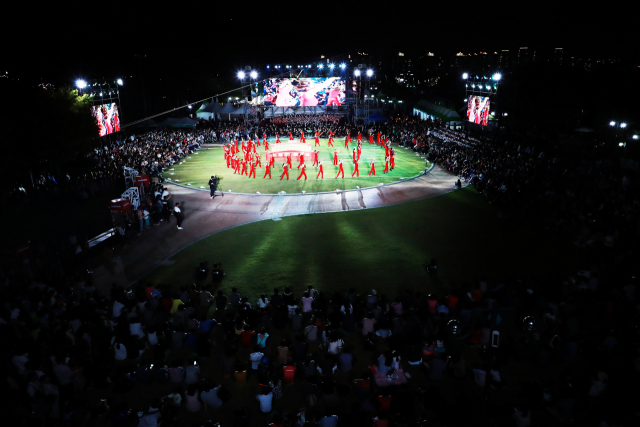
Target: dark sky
{"x":90,"y":42}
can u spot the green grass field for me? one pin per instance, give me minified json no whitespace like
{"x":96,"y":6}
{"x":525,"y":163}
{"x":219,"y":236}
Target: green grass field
{"x":198,"y":168}
{"x":386,"y":249}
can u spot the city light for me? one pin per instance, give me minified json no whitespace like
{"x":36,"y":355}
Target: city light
{"x":465,"y":76}
{"x":119,"y":81}
{"x":331,"y":66}
{"x":343,"y":65}
{"x":241,"y":75}
{"x":623,"y":125}
{"x":369,"y":73}
{"x":81,"y":84}
{"x":612,"y":123}
{"x":357,"y":73}
{"x":497,"y":76}
{"x":254,"y":75}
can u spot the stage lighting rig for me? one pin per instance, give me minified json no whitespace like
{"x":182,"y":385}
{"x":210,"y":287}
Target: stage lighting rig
{"x":369,"y":73}
{"x":343,"y":65}
{"x":254,"y":75}
{"x":465,"y":76}
{"x":332,"y":66}
{"x":241,"y":75}
{"x":497,"y":77}
{"x":357,"y":73}
{"x":119,"y":81}
{"x":81,"y":84}
{"x":623,"y":125}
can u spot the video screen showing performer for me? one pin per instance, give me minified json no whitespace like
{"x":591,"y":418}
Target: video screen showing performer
{"x":478,"y":109}
{"x":304,"y":92}
{"x":107,"y":117}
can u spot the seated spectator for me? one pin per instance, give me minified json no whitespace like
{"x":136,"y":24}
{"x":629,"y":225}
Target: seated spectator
{"x":193,"y":403}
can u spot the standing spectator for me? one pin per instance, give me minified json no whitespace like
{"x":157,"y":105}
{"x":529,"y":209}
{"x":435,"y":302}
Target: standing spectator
{"x":266,"y":400}
{"x":177,"y":212}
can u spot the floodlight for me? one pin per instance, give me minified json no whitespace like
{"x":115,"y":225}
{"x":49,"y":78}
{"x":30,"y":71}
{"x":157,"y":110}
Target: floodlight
{"x":369,"y":73}
{"x":635,"y":137}
{"x":343,"y":65}
{"x":473,"y":86}
{"x":320,"y":66}
{"x":488,"y":87}
{"x":119,"y":81}
{"x":357,"y":73}
{"x":100,"y":93}
{"x":623,"y":125}
{"x":268,"y":67}
{"x":81,"y":84}
{"x":612,"y":123}
{"x":505,"y":114}
{"x":189,"y":106}
{"x":465,"y":76}
{"x":331,"y":66}
{"x":254,"y":75}
{"x":465,"y":100}
{"x":497,"y":76}
{"x":621,"y":144}
{"x":241,"y":75}
{"x":308,"y":66}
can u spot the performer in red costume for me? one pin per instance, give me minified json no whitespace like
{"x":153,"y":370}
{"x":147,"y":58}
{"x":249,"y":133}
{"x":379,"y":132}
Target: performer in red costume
{"x":258,"y":162}
{"x":340,"y":169}
{"x":266,"y":145}
{"x":349,"y":136}
{"x":289,"y":160}
{"x":302,"y":138}
{"x":244,"y":167}
{"x":290,"y":136}
{"x":387,"y":149}
{"x":252,"y":170}
{"x":378,"y":138}
{"x":320,"y":172}
{"x":359,"y":137}
{"x":359,"y":151}
{"x":286,"y":171}
{"x":370,"y":138}
{"x":273,"y":162}
{"x":317,"y":143}
{"x":356,"y":170}
{"x":354,"y":155}
{"x":257,"y":140}
{"x":228,"y":160}
{"x":264,"y":138}
{"x":303,"y":172}
{"x":267,"y":171}
{"x":393,"y":158}
{"x":301,"y":157}
{"x":346,"y":143}
{"x":330,"y":140}
{"x":335,"y":157}
{"x":373,"y":168}
{"x":386,"y":165}
{"x":237,"y":164}
{"x":277,"y":139}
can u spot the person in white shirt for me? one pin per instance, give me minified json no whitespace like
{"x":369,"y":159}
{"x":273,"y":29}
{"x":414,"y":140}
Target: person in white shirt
{"x":266,"y":401}
{"x":178,"y":214}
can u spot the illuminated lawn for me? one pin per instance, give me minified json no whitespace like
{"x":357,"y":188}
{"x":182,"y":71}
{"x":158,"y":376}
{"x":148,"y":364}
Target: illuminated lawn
{"x":386,"y":249}
{"x":199,"y":167}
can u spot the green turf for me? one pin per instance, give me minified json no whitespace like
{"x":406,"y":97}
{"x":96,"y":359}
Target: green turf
{"x":385,"y":249}
{"x":198,"y":168}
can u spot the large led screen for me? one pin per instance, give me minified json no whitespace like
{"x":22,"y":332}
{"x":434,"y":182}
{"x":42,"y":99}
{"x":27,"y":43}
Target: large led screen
{"x":478,"y":109}
{"x":107,"y":117}
{"x":304,"y":92}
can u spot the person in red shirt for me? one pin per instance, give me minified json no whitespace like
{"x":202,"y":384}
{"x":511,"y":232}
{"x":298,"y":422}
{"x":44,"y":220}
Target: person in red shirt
{"x":373,"y":168}
{"x":340,"y":169}
{"x":246,"y":337}
{"x":335,"y":157}
{"x":289,"y":160}
{"x":286,"y":171}
{"x":252,"y":170}
{"x":303,"y":172}
{"x":289,"y":373}
{"x":386,"y":165}
{"x":244,"y":167}
{"x":384,"y":401}
{"x":301,"y":160}
{"x":356,"y":170}
{"x":267,"y":171}
{"x":320,"y":172}
{"x":317,"y":143}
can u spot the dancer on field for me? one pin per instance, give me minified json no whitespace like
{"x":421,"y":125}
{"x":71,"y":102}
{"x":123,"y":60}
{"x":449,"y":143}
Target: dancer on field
{"x":303,"y":172}
{"x":320,"y":172}
{"x":285,"y":172}
{"x":267,"y":171}
{"x":340,"y":169}
{"x":372,"y":171}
